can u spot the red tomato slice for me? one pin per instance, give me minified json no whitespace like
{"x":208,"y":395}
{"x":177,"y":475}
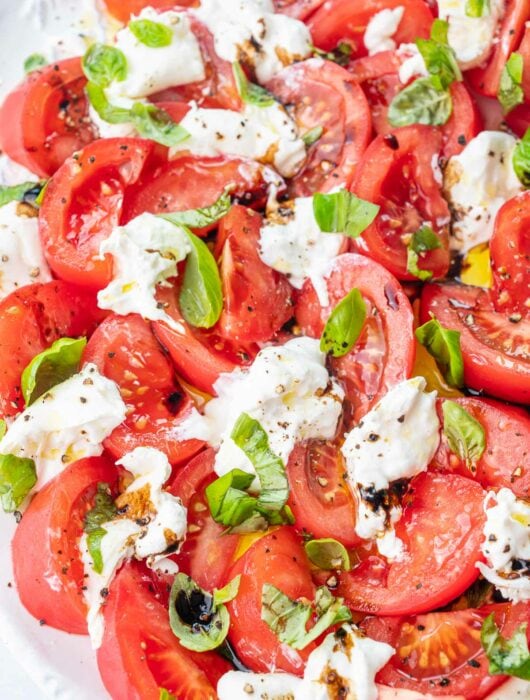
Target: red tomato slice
{"x":140,"y":654}
{"x":510,"y":256}
{"x":300,"y":9}
{"x":126,"y":351}
{"x":441,"y":528}
{"x":277,"y":559}
{"x":124,"y":9}
{"x":342,"y":20}
{"x":31,"y":319}
{"x":396,"y":172}
{"x":506,"y":459}
{"x":45,"y":119}
{"x":48,"y":570}
{"x":495,"y":350}
{"x":384,"y":352}
{"x":320,"y":93}
{"x":83,"y":203}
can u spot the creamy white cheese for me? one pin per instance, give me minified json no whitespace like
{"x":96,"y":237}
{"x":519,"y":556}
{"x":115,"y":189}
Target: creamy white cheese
{"x":413,"y":65}
{"x":145,"y":254}
{"x":287,"y":389}
{"x":69,"y":422}
{"x":379,"y":33}
{"x":250,"y":30}
{"x":266,"y":134}
{"x":11,"y":173}
{"x":477,"y":182}
{"x":506,"y":544}
{"x":22,"y":261}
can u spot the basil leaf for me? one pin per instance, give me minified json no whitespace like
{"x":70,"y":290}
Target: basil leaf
{"x":420,"y":103}
{"x":104,"y":65}
{"x":344,"y":325}
{"x":465,"y":434}
{"x":93,"y":542}
{"x":521,"y":159}
{"x":341,"y":55}
{"x":103,"y":510}
{"x":107,"y":112}
{"x":439,"y":57}
{"x":50,"y":367}
{"x":195,"y":619}
{"x":152,"y":34}
{"x":250,"y":92}
{"x":422,"y":240}
{"x":312,"y":136}
{"x":510,"y":93}
{"x":331,"y":611}
{"x":16,"y":193}
{"x":201,"y":294}
{"x":328,"y":554}
{"x":34,"y":62}
{"x":155,"y":124}
{"x":228,"y":592}
{"x":227,"y":499}
{"x":166,"y":695}
{"x":476,"y":8}
{"x":509,"y":657}
{"x":343,"y":212}
{"x":3,"y":428}
{"x":199,"y":218}
{"x":444,"y":345}
{"x":17,"y":477}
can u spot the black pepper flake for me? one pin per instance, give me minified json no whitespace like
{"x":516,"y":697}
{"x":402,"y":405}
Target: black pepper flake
{"x":392,"y":142}
{"x":373,"y":437}
{"x":473,"y":663}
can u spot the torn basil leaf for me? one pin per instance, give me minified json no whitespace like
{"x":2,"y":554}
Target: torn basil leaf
{"x":421,"y":241}
{"x":3,"y":428}
{"x":249,"y":92}
{"x":201,"y":294}
{"x":155,"y":35}
{"x":17,"y":193}
{"x":312,"y":136}
{"x":166,"y":695}
{"x":465,"y":435}
{"x":510,"y":93}
{"x":521,"y":159}
{"x":17,"y":477}
{"x":439,"y":57}
{"x":444,"y":345}
{"x":328,"y":554}
{"x":228,"y":592}
{"x":420,"y":103}
{"x":106,"y":111}
{"x":341,"y":55}
{"x":102,"y":512}
{"x":344,"y":325}
{"x":477,"y":8}
{"x":154,"y":123}
{"x":343,"y":212}
{"x":199,"y":218}
{"x":34,"y":62}
{"x":509,"y":657}
{"x":103,"y":65}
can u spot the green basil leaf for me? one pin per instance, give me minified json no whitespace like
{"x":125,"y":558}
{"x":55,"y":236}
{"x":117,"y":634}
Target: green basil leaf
{"x":509,"y":657}
{"x":93,"y":541}
{"x":466,"y":436}
{"x":521,"y":159}
{"x":201,"y":294}
{"x":444,"y":345}
{"x":312,"y":136}
{"x":34,"y":62}
{"x":104,"y":65}
{"x":510,"y":93}
{"x":3,"y":428}
{"x":153,"y":34}
{"x":166,"y":695}
{"x":198,"y":218}
{"x":328,"y":554}
{"x":227,"y":499}
{"x":341,"y":55}
{"x":477,"y":8}
{"x":16,"y":193}
{"x":17,"y":477}
{"x":331,"y":611}
{"x":107,"y":112}
{"x":155,"y":124}
{"x":228,"y":592}
{"x":102,"y":511}
{"x":420,"y":103}
{"x":198,"y":633}
{"x":439,"y":57}
{"x":249,"y":92}
{"x":421,"y":241}
{"x":50,"y":367}
{"x":343,"y":212}
{"x":344,"y":325}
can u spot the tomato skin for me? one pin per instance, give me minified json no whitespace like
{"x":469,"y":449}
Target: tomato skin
{"x":492,"y":346}
{"x":83,"y":203}
{"x":46,"y":561}
{"x":436,"y":567}
{"x":124,"y":9}
{"x":300,"y":9}
{"x":37,"y":130}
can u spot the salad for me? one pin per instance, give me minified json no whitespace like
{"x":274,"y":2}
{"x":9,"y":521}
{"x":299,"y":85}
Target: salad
{"x":265,"y":342}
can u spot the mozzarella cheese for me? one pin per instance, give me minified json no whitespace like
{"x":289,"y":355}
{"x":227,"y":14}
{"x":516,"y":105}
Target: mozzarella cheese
{"x":266,"y":134}
{"x":21,"y":258}
{"x":477,"y":182}
{"x":11,"y":173}
{"x":413,"y":65}
{"x":250,"y":30}
{"x":395,"y":440}
{"x":506,"y":544}
{"x":145,"y":254}
{"x":295,"y":246}
{"x":381,"y":28}
{"x":287,"y":389}
{"x":69,"y":422}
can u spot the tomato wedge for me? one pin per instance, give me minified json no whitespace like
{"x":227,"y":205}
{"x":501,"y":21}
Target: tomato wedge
{"x":124,"y":9}
{"x":300,"y":9}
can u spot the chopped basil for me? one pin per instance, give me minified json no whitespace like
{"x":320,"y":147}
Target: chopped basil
{"x":341,"y":55}
{"x":465,"y":434}
{"x":420,"y":103}
{"x":198,"y":218}
{"x":17,"y":477}
{"x":477,"y":8}
{"x":510,"y":93}
{"x":228,"y":592}
{"x":154,"y":123}
{"x":166,"y":695}
{"x":288,"y":618}
{"x":509,"y":657}
{"x":201,"y":294}
{"x":444,"y":345}
{"x":107,"y":112}
{"x":521,"y":159}
{"x":153,"y":34}
{"x":250,"y":92}
{"x":104,"y":65}
{"x":34,"y":62}
{"x":103,"y":510}
{"x":312,"y":136}
{"x":17,"y":193}
{"x":422,"y":240}
{"x":344,"y":325}
{"x":343,"y":212}
{"x":328,"y":554}
{"x":439,"y":57}
{"x":50,"y":367}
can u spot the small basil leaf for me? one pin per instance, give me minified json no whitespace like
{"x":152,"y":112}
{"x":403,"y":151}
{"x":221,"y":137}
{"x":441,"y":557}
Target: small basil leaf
{"x":510,"y":93}
{"x":465,"y":434}
{"x":103,"y":510}
{"x":3,"y":428}
{"x":50,"y":367}
{"x":444,"y":345}
{"x":439,"y":57}
{"x":93,"y":542}
{"x":199,"y":218}
{"x":228,"y":592}
{"x":509,"y":657}
{"x":152,"y":34}
{"x":227,"y":499}
{"x":107,"y":112}
{"x":341,"y":55}
{"x":156,"y":124}
{"x":201,"y":294}
{"x":476,"y":8}
{"x":166,"y":695}
{"x":328,"y":554}
{"x":331,"y":611}
{"x":343,"y":212}
{"x":420,"y":103}
{"x":312,"y":136}
{"x":17,"y":477}
{"x":34,"y":62}
{"x":521,"y":159}
{"x":104,"y":64}
{"x":16,"y":193}
{"x":421,"y":241}
{"x":249,"y":92}
{"x":344,"y":325}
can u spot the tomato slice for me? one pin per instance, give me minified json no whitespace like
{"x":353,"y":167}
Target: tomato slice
{"x":320,"y":93}
{"x":124,"y":9}
{"x":48,"y":570}
{"x":83,"y":203}
{"x":45,"y":119}
{"x":396,"y":172}
{"x":31,"y":319}
{"x":140,"y":654}
{"x":441,"y":528}
{"x":300,"y":9}
{"x":495,"y":349}
{"x":384,"y":352}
